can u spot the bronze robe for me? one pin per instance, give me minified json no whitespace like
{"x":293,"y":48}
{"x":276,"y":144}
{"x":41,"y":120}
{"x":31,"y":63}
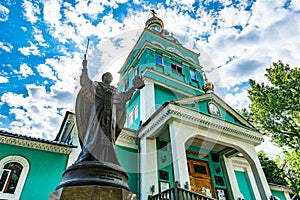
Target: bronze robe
{"x":100,"y":117}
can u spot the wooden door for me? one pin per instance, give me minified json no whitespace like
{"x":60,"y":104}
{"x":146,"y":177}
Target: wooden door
{"x":200,"y":177}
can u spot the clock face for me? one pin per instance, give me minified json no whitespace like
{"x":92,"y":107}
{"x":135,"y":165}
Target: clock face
{"x":213,"y":109}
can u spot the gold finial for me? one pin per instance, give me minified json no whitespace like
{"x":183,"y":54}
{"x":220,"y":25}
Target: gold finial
{"x":208,"y":86}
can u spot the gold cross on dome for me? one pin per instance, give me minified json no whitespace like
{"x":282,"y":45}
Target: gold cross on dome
{"x":153,"y":13}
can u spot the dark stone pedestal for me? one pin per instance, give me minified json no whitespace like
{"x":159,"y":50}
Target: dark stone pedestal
{"x":91,"y":192}
{"x":94,"y":173}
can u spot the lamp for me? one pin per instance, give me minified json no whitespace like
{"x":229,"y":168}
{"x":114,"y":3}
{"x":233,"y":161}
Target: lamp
{"x":186,"y":185}
{"x":152,"y":189}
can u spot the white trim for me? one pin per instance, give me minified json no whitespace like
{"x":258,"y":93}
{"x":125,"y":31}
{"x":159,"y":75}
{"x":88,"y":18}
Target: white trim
{"x":165,"y":76}
{"x":23,"y":161}
{"x":198,"y":119}
{"x":148,"y":167}
{"x":181,"y":172}
{"x":35,"y":144}
{"x":242,"y":165}
{"x":147,"y":101}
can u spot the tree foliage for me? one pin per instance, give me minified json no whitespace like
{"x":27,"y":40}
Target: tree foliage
{"x":275,"y":110}
{"x":275,"y":107}
{"x":274,"y":172}
{"x":291,"y":165}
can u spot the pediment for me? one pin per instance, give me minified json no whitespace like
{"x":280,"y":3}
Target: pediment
{"x":212,"y":105}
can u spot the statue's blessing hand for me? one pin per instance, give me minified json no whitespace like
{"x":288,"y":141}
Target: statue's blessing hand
{"x":138,"y":82}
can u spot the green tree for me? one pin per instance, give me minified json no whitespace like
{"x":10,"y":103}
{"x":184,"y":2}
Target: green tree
{"x":275,"y":111}
{"x":275,"y":107}
{"x":274,"y":172}
{"x":291,"y":164}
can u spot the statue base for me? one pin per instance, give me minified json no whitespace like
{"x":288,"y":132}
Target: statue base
{"x":94,"y":173}
{"x":91,"y":192}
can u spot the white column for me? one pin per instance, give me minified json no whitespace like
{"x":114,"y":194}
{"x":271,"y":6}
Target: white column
{"x":232,"y":178}
{"x":181,"y":173}
{"x":147,"y":101}
{"x":148,"y":167}
{"x":259,"y":173}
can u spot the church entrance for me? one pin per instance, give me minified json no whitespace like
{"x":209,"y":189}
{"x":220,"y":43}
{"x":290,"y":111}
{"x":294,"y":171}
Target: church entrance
{"x":200,"y":178}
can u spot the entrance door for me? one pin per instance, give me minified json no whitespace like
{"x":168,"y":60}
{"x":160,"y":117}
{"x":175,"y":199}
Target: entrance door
{"x":200,"y":178}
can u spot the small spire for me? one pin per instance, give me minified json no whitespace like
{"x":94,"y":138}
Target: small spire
{"x":205,"y":78}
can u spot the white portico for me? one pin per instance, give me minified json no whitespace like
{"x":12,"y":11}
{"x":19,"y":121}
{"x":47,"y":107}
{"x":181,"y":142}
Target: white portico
{"x":185,"y":127}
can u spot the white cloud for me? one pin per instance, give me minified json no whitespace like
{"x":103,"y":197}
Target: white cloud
{"x":46,"y":71}
{"x":3,"y":79}
{"x":38,"y":36}
{"x":32,"y":49}
{"x":31,"y":11}
{"x":6,"y":46}
{"x":237,"y":100}
{"x":269,"y":147}
{"x":25,"y":70}
{"x":3,"y":13}
{"x":40,"y":113}
{"x":295,"y":5}
{"x":52,"y":11}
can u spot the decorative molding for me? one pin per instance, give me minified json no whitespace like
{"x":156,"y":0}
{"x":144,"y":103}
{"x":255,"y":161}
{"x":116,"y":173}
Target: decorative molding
{"x":164,"y":76}
{"x":216,"y":99}
{"x":174,"y":50}
{"x":192,"y":60}
{"x":158,"y":44}
{"x":35,"y":145}
{"x":200,"y":120}
{"x":127,"y":138}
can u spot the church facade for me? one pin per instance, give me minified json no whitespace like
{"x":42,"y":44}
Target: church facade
{"x":30,"y":168}
{"x":177,"y":131}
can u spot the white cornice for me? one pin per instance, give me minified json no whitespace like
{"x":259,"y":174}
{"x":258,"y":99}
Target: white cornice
{"x":35,"y":145}
{"x":214,"y":97}
{"x":127,"y":138}
{"x":164,"y":76}
{"x":185,"y":115}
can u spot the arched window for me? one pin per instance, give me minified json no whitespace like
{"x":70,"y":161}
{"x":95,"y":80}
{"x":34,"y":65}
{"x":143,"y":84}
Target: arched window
{"x":13,"y":173}
{"x":10,"y":177}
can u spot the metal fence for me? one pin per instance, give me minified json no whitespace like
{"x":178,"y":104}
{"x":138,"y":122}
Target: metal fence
{"x":177,"y":193}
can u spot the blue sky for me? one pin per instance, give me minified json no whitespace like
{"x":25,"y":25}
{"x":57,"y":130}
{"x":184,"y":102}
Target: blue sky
{"x":42,"y":44}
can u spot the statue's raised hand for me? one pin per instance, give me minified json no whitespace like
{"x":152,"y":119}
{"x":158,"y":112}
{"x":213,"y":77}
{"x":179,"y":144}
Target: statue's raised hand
{"x":84,"y":64}
{"x":138,"y":82}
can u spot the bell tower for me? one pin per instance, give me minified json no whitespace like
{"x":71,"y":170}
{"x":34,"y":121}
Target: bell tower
{"x":170,"y":70}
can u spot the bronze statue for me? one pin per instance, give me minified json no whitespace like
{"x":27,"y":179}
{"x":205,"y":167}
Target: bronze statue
{"x":100,"y":116}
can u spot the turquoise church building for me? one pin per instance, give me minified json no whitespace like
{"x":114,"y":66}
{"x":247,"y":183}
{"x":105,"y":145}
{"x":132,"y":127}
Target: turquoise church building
{"x":177,"y":131}
{"x":30,"y":168}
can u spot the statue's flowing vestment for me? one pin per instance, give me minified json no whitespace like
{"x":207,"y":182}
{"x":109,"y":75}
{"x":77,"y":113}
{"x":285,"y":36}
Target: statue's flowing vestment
{"x":100,"y":116}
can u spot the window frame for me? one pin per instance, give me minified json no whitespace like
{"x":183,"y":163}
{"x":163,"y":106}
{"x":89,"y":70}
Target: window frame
{"x":132,"y":115}
{"x":193,"y":75}
{"x":176,"y":67}
{"x":161,"y":58}
{"x":23,"y":161}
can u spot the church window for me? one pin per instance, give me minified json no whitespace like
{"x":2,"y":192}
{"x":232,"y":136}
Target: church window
{"x":13,"y":173}
{"x":133,"y":115}
{"x":10,"y":177}
{"x":176,"y":67}
{"x":193,"y":75}
{"x":158,"y":60}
